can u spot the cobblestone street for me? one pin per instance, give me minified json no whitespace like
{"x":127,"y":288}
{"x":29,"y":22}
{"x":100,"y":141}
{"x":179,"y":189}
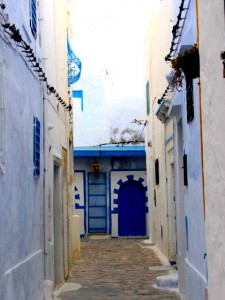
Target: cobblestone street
{"x":115,"y":269}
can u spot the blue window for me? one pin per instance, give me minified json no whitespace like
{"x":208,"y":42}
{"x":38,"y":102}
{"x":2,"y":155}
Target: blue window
{"x":37,"y":146}
{"x":147,"y":98}
{"x":33,"y":19}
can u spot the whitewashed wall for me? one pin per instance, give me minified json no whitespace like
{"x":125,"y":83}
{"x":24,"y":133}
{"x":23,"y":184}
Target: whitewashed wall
{"x":211,"y":25}
{"x":54,"y":23}
{"x":158,"y":41}
{"x":192,"y":265}
{"x":21,"y":196}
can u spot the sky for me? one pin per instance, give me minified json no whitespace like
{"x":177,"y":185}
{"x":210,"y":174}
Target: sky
{"x":109,"y":38}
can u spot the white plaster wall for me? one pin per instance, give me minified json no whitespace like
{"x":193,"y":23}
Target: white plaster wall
{"x":158,"y":41}
{"x":21,"y":199}
{"x":193,"y":197}
{"x":211,"y":38}
{"x":54,"y":22}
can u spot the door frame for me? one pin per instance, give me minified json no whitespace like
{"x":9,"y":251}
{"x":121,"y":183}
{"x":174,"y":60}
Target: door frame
{"x":106,"y":204}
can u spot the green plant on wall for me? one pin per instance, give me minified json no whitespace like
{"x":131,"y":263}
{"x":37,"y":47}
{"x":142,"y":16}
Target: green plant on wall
{"x":186,"y":64}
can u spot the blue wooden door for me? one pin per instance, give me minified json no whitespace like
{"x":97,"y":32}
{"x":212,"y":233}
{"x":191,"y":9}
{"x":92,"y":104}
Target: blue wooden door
{"x":131,"y":209}
{"x":97,"y":205}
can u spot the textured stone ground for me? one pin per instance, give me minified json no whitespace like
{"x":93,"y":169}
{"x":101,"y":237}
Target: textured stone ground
{"x":115,"y":269}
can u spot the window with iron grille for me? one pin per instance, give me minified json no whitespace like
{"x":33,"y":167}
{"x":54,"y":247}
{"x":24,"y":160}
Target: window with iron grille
{"x":190,"y":100}
{"x":37,"y":146}
{"x":185,"y":169}
{"x":33,"y":18}
{"x":157,"y":171}
{"x":147,"y":98}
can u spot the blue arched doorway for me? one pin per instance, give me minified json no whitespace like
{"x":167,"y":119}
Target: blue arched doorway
{"x":131,"y":209}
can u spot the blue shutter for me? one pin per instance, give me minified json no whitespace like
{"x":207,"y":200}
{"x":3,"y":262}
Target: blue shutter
{"x":37,"y":146}
{"x":33,"y":23}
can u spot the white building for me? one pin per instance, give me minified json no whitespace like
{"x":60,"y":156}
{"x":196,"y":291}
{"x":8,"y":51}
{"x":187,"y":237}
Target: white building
{"x":21,"y":178}
{"x":40,"y":231}
{"x":175,"y":150}
{"x":211,"y":44}
{"x":61,"y":245}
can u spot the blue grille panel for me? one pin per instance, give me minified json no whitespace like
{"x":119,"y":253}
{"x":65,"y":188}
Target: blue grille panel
{"x":37,"y":146}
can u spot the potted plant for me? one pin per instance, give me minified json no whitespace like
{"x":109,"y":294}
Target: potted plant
{"x":187,"y":64}
{"x":190,"y":63}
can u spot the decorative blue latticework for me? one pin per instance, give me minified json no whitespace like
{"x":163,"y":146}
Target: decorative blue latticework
{"x":74,"y":65}
{"x":33,"y":17}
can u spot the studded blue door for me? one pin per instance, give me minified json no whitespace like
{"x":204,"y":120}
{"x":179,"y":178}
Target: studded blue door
{"x":97,"y":206}
{"x":131,"y":209}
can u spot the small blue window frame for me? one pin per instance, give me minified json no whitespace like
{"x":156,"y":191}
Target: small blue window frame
{"x":33,"y":19}
{"x":37,"y":147}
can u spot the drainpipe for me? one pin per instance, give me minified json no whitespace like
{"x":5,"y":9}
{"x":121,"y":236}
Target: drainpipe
{"x":200,"y":113}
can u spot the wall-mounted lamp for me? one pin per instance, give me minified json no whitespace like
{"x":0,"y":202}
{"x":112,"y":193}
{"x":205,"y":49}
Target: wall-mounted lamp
{"x":96,"y":168}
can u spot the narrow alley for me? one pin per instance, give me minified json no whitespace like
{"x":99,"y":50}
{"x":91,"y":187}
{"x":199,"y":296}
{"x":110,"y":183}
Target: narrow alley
{"x":115,"y":269}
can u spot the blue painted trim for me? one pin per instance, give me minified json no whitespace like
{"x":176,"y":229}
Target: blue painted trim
{"x":82,"y":235}
{"x":141,"y":180}
{"x":97,"y":205}
{"x":130,"y":177}
{"x":101,"y":195}
{"x":78,"y":206}
{"x":146,"y":210}
{"x":115,"y":201}
{"x":161,"y":105}
{"x":110,"y":206}
{"x":96,"y":183}
{"x":114,"y":211}
{"x":120,"y":182}
{"x":168,"y":139}
{"x":186,"y":229}
{"x":77,"y":197}
{"x":84,"y":190}
{"x":92,"y":230}
{"x":115,"y":191}
{"x":79,"y":95}
{"x":97,"y":217}
{"x":109,"y":151}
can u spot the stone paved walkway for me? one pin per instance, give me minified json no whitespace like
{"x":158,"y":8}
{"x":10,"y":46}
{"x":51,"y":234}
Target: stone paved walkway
{"x":115,"y":269}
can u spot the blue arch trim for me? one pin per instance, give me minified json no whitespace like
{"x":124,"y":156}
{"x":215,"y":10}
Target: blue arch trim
{"x":120,"y":182}
{"x":116,"y":191}
{"x":141,"y":180}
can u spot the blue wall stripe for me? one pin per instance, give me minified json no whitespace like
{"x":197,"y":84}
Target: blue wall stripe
{"x":116,"y":191}
{"x":114,"y":211}
{"x":120,"y":182}
{"x":78,"y":206}
{"x":141,"y":180}
{"x":186,"y":228}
